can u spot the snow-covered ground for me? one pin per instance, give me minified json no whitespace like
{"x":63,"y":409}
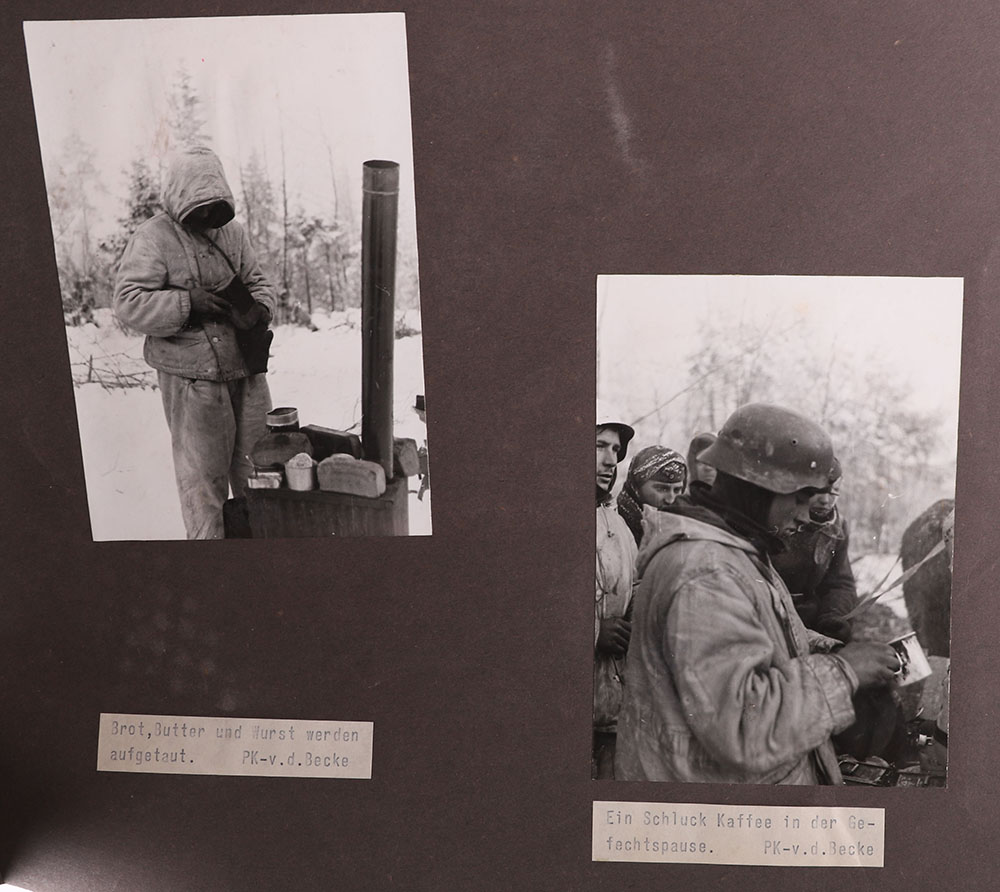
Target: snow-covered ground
{"x":126,"y":444}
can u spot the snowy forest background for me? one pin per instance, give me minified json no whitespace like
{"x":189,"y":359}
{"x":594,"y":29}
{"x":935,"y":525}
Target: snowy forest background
{"x":291,"y":150}
{"x":310,"y":248}
{"x":293,"y":106}
{"x":875,"y":361}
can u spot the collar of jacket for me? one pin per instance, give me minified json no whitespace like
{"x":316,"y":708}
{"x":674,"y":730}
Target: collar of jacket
{"x":832,"y":529}
{"x":816,"y":522}
{"x":697,"y":523}
{"x":668,"y":527}
{"x":703,"y":505}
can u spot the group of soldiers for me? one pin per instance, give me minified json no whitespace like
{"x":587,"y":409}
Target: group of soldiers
{"x":705,"y":666}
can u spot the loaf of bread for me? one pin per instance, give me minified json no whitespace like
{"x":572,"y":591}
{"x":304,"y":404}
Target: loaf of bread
{"x":344,"y":473}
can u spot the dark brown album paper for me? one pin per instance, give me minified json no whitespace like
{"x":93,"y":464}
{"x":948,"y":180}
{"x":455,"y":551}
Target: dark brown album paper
{"x":551,"y":143}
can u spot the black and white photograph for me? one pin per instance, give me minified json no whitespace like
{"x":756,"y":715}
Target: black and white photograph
{"x":776,"y":465}
{"x":233,"y":223}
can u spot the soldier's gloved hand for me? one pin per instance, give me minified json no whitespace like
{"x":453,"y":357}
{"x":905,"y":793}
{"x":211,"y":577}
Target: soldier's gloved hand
{"x":205,"y":303}
{"x":874,"y":663}
{"x":614,"y":635}
{"x":251,"y":317}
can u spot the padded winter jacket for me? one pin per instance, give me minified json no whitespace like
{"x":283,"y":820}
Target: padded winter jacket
{"x":615,"y":566}
{"x":164,"y":260}
{"x":721,"y":684}
{"x":817,"y":572}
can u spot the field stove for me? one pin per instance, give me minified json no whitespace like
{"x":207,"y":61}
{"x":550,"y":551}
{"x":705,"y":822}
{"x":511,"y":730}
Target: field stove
{"x":287,"y":513}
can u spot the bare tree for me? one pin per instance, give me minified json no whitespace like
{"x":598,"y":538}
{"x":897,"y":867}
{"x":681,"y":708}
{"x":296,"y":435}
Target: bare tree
{"x":886,"y":446}
{"x":73,"y":186}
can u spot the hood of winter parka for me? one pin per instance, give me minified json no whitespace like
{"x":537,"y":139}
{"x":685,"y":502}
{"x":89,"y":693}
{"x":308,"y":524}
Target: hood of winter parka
{"x":195,"y":178}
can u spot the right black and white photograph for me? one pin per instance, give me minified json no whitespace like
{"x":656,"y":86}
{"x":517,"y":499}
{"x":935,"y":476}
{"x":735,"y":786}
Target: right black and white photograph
{"x":775,"y":493}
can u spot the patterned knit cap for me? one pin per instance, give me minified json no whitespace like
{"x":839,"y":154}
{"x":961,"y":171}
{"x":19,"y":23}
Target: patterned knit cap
{"x":666,"y":465}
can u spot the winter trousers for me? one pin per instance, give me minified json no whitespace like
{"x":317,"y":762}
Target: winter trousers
{"x":213,"y":426}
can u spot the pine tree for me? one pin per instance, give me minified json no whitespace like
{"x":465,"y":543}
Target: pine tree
{"x":258,"y":208}
{"x":187,"y":126}
{"x":143,"y":196}
{"x":141,"y":202}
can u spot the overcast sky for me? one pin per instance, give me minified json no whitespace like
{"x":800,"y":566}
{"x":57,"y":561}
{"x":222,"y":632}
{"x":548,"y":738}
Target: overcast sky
{"x":649,"y":324}
{"x":332,"y":84}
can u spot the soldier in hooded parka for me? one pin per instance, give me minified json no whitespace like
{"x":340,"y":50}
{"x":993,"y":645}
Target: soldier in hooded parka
{"x":170,"y":287}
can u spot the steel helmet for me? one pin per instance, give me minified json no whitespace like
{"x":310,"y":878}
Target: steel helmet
{"x":606,"y":418}
{"x":775,"y":448}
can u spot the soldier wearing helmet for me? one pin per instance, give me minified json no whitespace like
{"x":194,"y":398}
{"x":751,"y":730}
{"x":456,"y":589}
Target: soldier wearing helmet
{"x":816,"y":568}
{"x":700,"y":473}
{"x":723,"y":682}
{"x":616,"y":552}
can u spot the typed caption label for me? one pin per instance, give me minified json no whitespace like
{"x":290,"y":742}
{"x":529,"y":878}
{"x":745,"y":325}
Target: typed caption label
{"x":788,"y":836}
{"x":166,"y":744}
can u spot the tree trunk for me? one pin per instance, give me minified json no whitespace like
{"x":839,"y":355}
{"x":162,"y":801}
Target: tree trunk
{"x":329,"y":278}
{"x":284,"y":223}
{"x":305,"y":272}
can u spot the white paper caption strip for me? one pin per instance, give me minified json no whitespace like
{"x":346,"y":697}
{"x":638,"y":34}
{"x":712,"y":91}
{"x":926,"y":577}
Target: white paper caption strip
{"x":783,"y":836}
{"x":184,"y":744}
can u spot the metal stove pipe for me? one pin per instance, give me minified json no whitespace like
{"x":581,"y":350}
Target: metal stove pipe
{"x":378,"y":292}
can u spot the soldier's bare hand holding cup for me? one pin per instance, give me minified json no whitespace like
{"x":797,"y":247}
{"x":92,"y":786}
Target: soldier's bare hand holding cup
{"x":874,"y":663}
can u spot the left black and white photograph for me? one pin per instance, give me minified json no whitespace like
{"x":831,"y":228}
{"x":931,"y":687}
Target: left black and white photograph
{"x":234,"y":228}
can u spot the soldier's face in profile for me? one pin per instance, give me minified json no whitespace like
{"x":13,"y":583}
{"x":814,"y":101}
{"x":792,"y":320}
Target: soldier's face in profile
{"x":609,"y":446}
{"x":789,"y":511}
{"x":704,"y":473}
